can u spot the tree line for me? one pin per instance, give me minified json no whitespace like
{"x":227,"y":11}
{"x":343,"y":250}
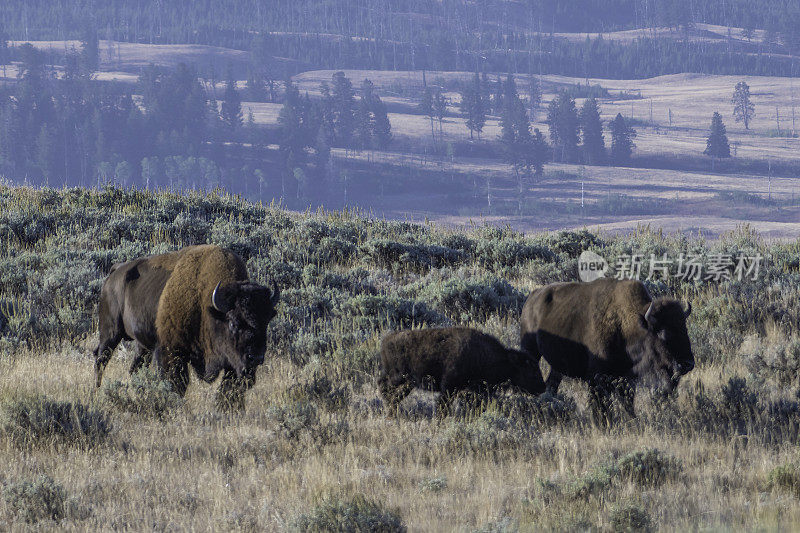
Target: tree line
{"x":172,"y":131}
{"x":455,"y":34}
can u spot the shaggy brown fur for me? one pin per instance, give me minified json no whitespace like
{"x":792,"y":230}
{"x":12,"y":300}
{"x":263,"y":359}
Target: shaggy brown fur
{"x":598,"y":330}
{"x":450,"y":360}
{"x":165,"y":303}
{"x":180,"y":318}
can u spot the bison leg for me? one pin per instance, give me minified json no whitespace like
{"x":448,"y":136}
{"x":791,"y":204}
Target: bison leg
{"x":172,"y":368}
{"x":102,"y":355}
{"x":600,"y":395}
{"x":230,"y":395}
{"x":553,"y":381}
{"x":626,"y":392}
{"x":143,"y":358}
{"x":394,"y":390}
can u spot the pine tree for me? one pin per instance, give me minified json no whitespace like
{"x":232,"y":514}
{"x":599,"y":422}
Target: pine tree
{"x":497,"y":99}
{"x":343,"y":109}
{"x":562,"y":118}
{"x":743,"y":108}
{"x":534,"y":95}
{"x":717,"y":145}
{"x":364,"y":124}
{"x":439,"y":107}
{"x":538,"y":152}
{"x":516,"y":138}
{"x":292,"y":141}
{"x":594,"y":147}
{"x":382,"y":126}
{"x":621,"y":140}
{"x":472,"y":106}
{"x":426,"y":108}
{"x":90,"y":48}
{"x":45,"y":153}
{"x":232,"y":107}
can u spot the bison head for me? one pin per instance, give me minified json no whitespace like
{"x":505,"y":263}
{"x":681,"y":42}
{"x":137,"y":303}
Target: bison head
{"x":240,"y":313}
{"x":527,"y":374}
{"x":663,"y":353}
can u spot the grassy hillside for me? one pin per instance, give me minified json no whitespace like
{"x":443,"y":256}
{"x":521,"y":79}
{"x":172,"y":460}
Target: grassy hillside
{"x":315,"y":446}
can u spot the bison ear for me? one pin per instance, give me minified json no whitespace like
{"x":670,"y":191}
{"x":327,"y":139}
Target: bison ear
{"x":643,"y":322}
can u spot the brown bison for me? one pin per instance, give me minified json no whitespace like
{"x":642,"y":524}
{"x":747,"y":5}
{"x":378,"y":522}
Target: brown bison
{"x":607,"y":332}
{"x":450,"y":360}
{"x":191,"y":307}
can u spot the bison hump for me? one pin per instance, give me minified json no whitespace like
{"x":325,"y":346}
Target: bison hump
{"x":187,"y":293}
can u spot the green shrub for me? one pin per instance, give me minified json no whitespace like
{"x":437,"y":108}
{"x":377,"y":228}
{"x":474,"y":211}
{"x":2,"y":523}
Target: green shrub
{"x":321,"y":389}
{"x":647,"y":467}
{"x":779,"y":361}
{"x":630,"y":517}
{"x":40,"y":421}
{"x":299,"y":421}
{"x":356,"y":515}
{"x":544,"y":410}
{"x":433,"y":484}
{"x":592,"y":483}
{"x":37,"y":499}
{"x":785,"y":478}
{"x":145,"y":394}
{"x":462,"y":299}
{"x":501,"y":525}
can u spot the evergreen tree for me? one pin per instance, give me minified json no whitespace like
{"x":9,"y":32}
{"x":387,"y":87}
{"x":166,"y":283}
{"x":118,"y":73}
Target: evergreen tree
{"x":621,"y":140}
{"x":364,"y":124}
{"x":343,"y":102}
{"x":4,"y":56}
{"x":717,"y":145}
{"x":90,"y":48}
{"x":516,"y":138}
{"x":426,"y":108}
{"x":486,"y":93}
{"x":439,"y":106}
{"x":594,"y":147}
{"x":45,"y":153}
{"x":562,"y":118}
{"x":497,"y":99}
{"x":534,"y":95}
{"x":231,"y":109}
{"x":382,"y":126}
{"x":538,"y":152}
{"x":292,"y":141}
{"x":473,"y":108}
{"x":743,"y":108}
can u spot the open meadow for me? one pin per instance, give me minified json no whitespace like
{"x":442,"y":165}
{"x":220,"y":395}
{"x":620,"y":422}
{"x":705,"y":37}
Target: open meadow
{"x":316,"y":445}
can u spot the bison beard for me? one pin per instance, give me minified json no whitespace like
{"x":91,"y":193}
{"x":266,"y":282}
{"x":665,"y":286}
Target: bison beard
{"x":192,"y":307}
{"x":609,"y":333}
{"x":450,"y":360}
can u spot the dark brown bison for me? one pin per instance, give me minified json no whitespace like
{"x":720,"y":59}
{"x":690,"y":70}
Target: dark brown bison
{"x":607,"y":332}
{"x":191,"y":307}
{"x":449,"y":360}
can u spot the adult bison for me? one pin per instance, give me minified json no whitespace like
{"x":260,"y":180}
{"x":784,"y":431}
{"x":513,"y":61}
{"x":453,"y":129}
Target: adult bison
{"x":191,"y":307}
{"x":607,"y":332}
{"x":450,"y":360}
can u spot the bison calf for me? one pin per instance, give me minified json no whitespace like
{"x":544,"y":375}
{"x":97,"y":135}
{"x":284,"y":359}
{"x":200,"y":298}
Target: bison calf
{"x":449,"y":360}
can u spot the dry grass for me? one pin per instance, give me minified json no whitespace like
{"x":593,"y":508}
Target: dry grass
{"x":200,"y":470}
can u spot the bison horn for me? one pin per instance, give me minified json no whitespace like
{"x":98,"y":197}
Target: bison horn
{"x":688,"y":310}
{"x":276,"y":294}
{"x":648,"y":312}
{"x":214,"y":298}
